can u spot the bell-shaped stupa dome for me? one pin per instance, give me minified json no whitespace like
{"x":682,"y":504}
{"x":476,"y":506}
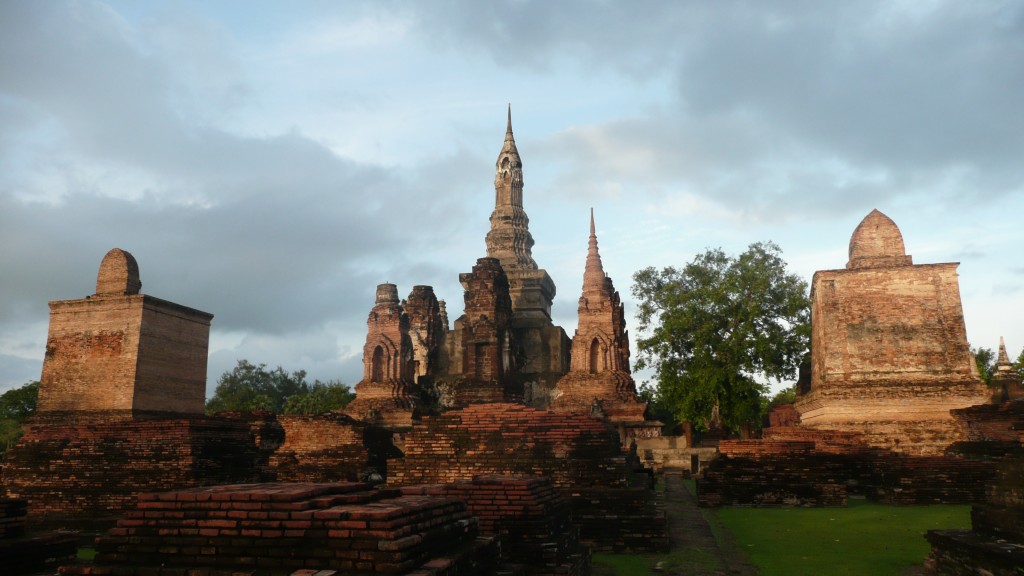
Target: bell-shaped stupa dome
{"x":119,"y":274}
{"x":877,"y":242}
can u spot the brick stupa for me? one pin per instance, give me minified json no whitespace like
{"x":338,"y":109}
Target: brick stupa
{"x":890,"y":357}
{"x":122,"y":351}
{"x":121,"y":402}
{"x":1006,"y":381}
{"x":599,"y":381}
{"x":386,"y":395}
{"x":542,"y":347}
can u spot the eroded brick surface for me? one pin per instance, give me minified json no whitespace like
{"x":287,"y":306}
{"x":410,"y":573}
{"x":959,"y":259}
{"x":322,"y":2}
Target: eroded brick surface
{"x":530,"y":515}
{"x":599,"y":382}
{"x":386,"y":395}
{"x":995,"y":543}
{"x":23,"y":554}
{"x":92,"y":470}
{"x":121,"y":350}
{"x":614,"y":508}
{"x":276,"y":529}
{"x":890,"y":354}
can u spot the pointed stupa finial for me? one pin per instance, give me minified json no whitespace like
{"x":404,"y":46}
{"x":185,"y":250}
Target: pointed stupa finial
{"x":1004,"y":358}
{"x":593,"y":274}
{"x":510,"y":140}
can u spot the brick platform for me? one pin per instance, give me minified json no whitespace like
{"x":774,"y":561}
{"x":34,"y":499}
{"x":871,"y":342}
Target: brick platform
{"x":88,"y":472}
{"x":276,"y":529}
{"x":995,"y":543}
{"x":530,"y":515}
{"x":821,"y":469}
{"x":581,"y":455}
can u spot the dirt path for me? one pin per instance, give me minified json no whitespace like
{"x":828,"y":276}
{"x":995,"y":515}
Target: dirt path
{"x":692,"y":533}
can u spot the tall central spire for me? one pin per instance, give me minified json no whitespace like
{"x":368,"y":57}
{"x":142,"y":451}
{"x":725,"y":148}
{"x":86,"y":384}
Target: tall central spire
{"x":593,"y":273}
{"x":509,"y":239}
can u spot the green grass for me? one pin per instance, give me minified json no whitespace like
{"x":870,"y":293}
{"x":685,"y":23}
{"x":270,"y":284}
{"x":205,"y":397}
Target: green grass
{"x":623,"y":564}
{"x":863,"y":538}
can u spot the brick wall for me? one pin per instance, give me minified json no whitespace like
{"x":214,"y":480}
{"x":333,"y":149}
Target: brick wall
{"x":276,"y":529}
{"x":808,"y":469}
{"x":133,"y":352}
{"x":91,"y":471}
{"x":581,"y":455}
{"x":329,"y":448}
{"x":530,"y":515}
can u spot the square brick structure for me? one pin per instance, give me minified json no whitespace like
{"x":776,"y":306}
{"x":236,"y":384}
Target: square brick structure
{"x":890,"y":357}
{"x":120,"y":410}
{"x":119,"y":350}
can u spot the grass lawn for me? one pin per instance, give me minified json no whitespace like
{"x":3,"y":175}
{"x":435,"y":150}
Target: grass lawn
{"x":862,"y":538}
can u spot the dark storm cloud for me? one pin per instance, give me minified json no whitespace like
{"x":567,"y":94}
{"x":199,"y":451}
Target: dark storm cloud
{"x":270,"y":234}
{"x":808,"y":105}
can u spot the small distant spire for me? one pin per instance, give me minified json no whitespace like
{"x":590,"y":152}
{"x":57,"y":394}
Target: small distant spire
{"x":592,"y":233}
{"x":1004,"y":358}
{"x":508,"y":130}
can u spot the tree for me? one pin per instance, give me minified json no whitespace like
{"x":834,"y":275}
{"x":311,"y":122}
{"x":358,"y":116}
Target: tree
{"x":985,"y":359}
{"x":785,"y":396}
{"x":1019,"y":363}
{"x":250,"y":387}
{"x":716,"y":329}
{"x":15,"y":406}
{"x":19,"y":403}
{"x":322,"y":397}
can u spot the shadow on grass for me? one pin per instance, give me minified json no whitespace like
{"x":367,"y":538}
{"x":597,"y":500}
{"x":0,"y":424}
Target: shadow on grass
{"x":862,"y":538}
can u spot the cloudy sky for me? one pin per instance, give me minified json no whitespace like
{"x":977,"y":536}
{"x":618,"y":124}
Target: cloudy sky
{"x":271,"y":162}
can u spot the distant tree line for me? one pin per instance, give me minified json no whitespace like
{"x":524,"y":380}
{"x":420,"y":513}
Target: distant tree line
{"x":246,"y":387}
{"x":250,"y":387}
{"x":16,"y":406}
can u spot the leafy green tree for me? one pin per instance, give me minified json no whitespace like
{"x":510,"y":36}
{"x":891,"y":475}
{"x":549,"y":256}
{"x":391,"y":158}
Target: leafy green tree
{"x":322,"y":397}
{"x":785,"y":396}
{"x":1019,"y":363}
{"x":658,"y":408}
{"x":19,"y":403}
{"x":250,"y":387}
{"x":716,"y":329}
{"x":15,"y":406}
{"x":985,"y":359}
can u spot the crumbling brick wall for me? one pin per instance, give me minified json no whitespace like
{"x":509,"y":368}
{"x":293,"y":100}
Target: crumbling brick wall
{"x":613,"y":506}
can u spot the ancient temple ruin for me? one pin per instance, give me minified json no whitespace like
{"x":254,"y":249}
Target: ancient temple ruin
{"x":385,"y":395}
{"x":1006,"y":381}
{"x":121,"y":402}
{"x":890,"y":357}
{"x":541,"y":348}
{"x":599,"y":381}
{"x":504,"y":347}
{"x":120,"y":350}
